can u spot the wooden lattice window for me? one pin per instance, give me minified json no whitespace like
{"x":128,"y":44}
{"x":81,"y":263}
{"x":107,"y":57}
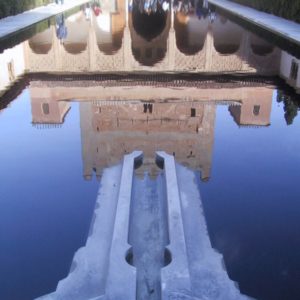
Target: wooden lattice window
{"x":256,"y":109}
{"x":45,"y":108}
{"x":11,"y":71}
{"x":294,"y":70}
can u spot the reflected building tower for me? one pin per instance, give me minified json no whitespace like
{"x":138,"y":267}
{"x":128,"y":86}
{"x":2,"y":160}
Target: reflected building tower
{"x":109,"y":131}
{"x":116,"y":118}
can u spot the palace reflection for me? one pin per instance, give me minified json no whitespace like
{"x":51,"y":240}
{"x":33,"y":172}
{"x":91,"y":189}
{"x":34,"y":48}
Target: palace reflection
{"x":117,"y":118}
{"x":114,"y":42}
{"x":120,"y":116}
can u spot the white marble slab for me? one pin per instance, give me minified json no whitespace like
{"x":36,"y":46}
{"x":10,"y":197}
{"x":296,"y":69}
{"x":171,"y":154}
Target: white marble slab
{"x":12,"y":24}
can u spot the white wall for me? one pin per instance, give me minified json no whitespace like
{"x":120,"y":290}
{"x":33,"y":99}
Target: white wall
{"x":16,"y":56}
{"x":285,"y":69}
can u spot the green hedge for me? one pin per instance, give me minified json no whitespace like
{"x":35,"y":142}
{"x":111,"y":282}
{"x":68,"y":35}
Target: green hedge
{"x":288,"y":9}
{"x":13,"y":7}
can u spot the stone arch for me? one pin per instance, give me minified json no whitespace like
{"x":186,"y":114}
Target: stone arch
{"x":77,"y":33}
{"x":227,"y":37}
{"x":109,"y":30}
{"x":41,"y":43}
{"x":148,"y":25}
{"x":146,"y":51}
{"x":190,"y":33}
{"x":259,"y":46}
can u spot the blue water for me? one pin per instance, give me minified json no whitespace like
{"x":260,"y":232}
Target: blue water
{"x":46,"y":205}
{"x":252,"y":204}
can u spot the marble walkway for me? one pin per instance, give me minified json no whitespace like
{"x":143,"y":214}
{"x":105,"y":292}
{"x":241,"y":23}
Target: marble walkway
{"x":13,"y":24}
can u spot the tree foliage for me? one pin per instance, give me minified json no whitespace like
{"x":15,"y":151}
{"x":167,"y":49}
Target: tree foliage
{"x":288,"y":9}
{"x":13,"y":7}
{"x":291,"y":105}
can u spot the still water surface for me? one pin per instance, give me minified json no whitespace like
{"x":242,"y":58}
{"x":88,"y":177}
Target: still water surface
{"x":240,"y":134}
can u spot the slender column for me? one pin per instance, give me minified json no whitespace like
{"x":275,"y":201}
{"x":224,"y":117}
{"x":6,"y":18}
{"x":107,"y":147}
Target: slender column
{"x":126,"y":12}
{"x":92,"y":44}
{"x":209,"y":44}
{"x":57,"y":50}
{"x":172,"y":49}
{"x":244,"y":49}
{"x":127,"y":56}
{"x":172,"y":15}
{"x":172,"y":41}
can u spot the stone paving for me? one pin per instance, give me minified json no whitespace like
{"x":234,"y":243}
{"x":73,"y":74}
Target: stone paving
{"x":12,"y":24}
{"x":280,"y":26}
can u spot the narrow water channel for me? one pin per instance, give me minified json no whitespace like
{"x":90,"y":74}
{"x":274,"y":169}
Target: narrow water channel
{"x":148,"y":235}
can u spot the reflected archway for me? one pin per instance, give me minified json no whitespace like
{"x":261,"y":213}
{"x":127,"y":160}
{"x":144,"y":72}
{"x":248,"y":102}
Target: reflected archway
{"x":109,"y":30}
{"x":190,"y":33}
{"x":227,"y":36}
{"x":260,"y":46}
{"x":149,"y":44}
{"x":41,"y":43}
{"x":148,"y":25}
{"x":78,"y":32}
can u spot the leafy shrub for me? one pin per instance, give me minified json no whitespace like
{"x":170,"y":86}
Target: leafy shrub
{"x":288,"y":9}
{"x":13,"y":7}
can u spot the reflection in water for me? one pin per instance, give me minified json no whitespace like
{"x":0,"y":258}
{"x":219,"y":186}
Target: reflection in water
{"x":156,"y":111}
{"x":184,"y":42}
{"x":122,"y":46}
{"x":108,"y":132}
{"x":116,"y":121}
{"x":111,"y":128}
{"x":291,"y":105}
{"x":114,"y":42}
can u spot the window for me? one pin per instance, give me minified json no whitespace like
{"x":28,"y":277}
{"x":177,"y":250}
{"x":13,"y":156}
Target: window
{"x":193,"y":112}
{"x":256,"y":109}
{"x":11,"y":71}
{"x":294,"y":70}
{"x":45,"y":108}
{"x":148,"y":108}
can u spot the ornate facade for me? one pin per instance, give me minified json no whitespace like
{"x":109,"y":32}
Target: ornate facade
{"x":109,"y":42}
